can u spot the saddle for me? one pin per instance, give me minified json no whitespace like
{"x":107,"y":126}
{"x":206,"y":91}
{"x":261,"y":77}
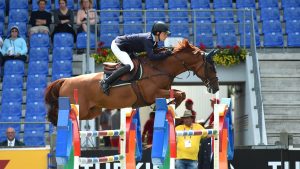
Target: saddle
{"x":135,"y":74}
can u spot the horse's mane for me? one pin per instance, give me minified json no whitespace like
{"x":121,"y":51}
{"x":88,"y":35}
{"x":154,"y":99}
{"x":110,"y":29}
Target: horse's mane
{"x":184,"y":44}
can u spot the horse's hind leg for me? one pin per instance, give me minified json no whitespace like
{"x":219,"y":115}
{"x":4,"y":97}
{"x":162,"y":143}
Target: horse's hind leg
{"x":178,"y":95}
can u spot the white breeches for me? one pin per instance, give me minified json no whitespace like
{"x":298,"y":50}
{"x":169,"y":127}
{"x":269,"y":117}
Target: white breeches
{"x":121,"y":55}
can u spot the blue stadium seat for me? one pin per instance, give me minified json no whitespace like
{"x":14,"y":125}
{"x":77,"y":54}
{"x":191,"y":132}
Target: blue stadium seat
{"x":292,"y":26}
{"x":111,"y":4}
{"x":271,"y":26}
{"x":290,"y":3}
{"x":22,"y":28}
{"x":245,"y":4}
{"x":226,"y":39}
{"x":70,"y":4}
{"x":57,"y":76}
{"x":225,"y":27}
{"x":38,"y":67}
{"x":223,"y":14}
{"x":38,"y":54}
{"x":62,"y":53}
{"x":133,"y":27}
{"x":39,"y":40}
{"x":155,"y":15}
{"x":35,"y":94}
{"x":11,"y":109}
{"x":245,"y":40}
{"x":246,"y":27}
{"x":273,"y":40}
{"x":63,"y":40}
{"x":268,"y":3}
{"x":155,"y":4}
{"x":178,"y":15}
{"x":34,"y":138}
{"x":62,"y":66}
{"x":196,"y":4}
{"x":293,"y":39}
{"x":12,"y":95}
{"x":269,"y":14}
{"x":35,"y":118}
{"x":107,"y":39}
{"x":245,"y":14}
{"x":36,"y":109}
{"x":109,"y":15}
{"x":203,"y":27}
{"x":36,"y":81}
{"x":132,"y":4}
{"x":2,"y":15}
{"x":1,"y":28}
{"x":18,"y":4}
{"x":201,"y":14}
{"x":35,"y":6}
{"x":179,"y":29}
{"x":18,"y":15}
{"x":206,"y":39}
{"x":14,"y":67}
{"x":82,"y":39}
{"x":109,"y":27}
{"x":222,"y":4}
{"x":132,"y":15}
{"x":12,"y":81}
{"x":291,"y":13}
{"x":10,"y":118}
{"x":2,"y":4}
{"x":178,"y":4}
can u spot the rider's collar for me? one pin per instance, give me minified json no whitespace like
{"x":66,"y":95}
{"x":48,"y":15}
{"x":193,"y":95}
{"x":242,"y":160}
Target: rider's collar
{"x":153,"y":37}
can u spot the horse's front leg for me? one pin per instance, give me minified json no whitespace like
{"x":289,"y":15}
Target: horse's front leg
{"x":178,"y":95}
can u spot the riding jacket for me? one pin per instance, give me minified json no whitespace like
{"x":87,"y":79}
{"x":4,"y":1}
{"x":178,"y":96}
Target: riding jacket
{"x":142,"y":42}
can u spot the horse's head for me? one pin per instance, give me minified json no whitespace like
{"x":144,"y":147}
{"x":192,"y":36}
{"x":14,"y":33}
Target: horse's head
{"x":193,"y":59}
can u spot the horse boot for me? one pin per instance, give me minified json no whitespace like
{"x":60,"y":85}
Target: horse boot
{"x":105,"y":83}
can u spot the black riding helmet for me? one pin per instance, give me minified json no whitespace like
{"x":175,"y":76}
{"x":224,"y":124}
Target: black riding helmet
{"x":160,"y":27}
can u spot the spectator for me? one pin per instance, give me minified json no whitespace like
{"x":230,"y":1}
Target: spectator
{"x":82,"y":16}
{"x":40,"y":20}
{"x":115,"y":125}
{"x":105,"y":122}
{"x":64,"y":20}
{"x":11,"y":140}
{"x":148,"y":129}
{"x":14,"y":47}
{"x":188,"y":146}
{"x":189,"y":106}
{"x":213,"y":101}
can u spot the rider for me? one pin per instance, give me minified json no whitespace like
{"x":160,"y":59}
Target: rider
{"x":123,"y":46}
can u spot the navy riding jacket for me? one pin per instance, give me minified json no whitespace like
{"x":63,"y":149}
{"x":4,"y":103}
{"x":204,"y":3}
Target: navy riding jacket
{"x":142,"y":42}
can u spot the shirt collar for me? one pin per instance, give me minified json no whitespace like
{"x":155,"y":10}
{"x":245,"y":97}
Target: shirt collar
{"x":13,"y":142}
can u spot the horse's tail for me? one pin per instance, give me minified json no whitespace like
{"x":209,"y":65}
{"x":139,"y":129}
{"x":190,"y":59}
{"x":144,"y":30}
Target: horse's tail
{"x":51,"y":100}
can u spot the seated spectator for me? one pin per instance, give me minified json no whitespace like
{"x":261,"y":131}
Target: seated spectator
{"x":40,"y":20}
{"x":148,"y":129}
{"x":82,"y":16}
{"x":14,"y":47}
{"x":63,"y":19}
{"x":11,"y":141}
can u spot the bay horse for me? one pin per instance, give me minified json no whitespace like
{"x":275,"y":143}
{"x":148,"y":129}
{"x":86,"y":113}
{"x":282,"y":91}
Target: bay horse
{"x":155,"y":83}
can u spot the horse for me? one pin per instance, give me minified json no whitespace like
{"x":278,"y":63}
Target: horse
{"x":155,"y":82}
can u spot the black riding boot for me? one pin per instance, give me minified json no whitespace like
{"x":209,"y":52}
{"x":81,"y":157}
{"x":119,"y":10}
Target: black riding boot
{"x":105,"y":83}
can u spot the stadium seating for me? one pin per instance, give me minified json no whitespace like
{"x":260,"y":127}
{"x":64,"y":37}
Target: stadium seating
{"x":291,"y":13}
{"x":293,"y":39}
{"x":107,"y":39}
{"x":109,"y":15}
{"x":196,"y":4}
{"x":222,"y":4}
{"x":35,"y":118}
{"x":292,"y":26}
{"x":224,"y":14}
{"x":226,"y":39}
{"x":133,"y":27}
{"x":268,"y":3}
{"x":269,"y":14}
{"x":178,"y":4}
{"x":179,"y":29}
{"x":111,"y":4}
{"x":22,"y":28}
{"x":246,"y":27}
{"x":245,"y":40}
{"x":2,"y":4}
{"x":271,"y":26}
{"x":155,"y":15}
{"x":11,"y":109}
{"x":62,"y":66}
{"x":18,"y":4}
{"x":290,"y":3}
{"x":14,"y":67}
{"x":35,"y":109}
{"x":56,"y":75}
{"x":35,"y":95}
{"x":34,"y":138}
{"x":62,"y":53}
{"x":245,"y":4}
{"x":203,"y":27}
{"x":155,"y":4}
{"x":109,"y":27}
{"x":38,"y":67}
{"x":39,"y":40}
{"x":273,"y":39}
{"x":18,"y":15}
{"x":132,"y":4}
{"x":245,"y":14}
{"x":82,"y":40}
{"x":12,"y":95}
{"x":38,"y":54}
{"x":36,"y":81}
{"x":205,"y":39}
{"x":12,"y":81}
{"x":225,"y":27}
{"x":201,"y":14}
{"x":10,"y":118}
{"x":131,"y":15}
{"x":178,"y":15}
{"x":2,"y":15}
{"x":1,"y":28}
{"x":63,"y":40}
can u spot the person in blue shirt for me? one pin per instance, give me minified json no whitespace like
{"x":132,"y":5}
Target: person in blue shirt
{"x":14,"y":47}
{"x":124,"y":46}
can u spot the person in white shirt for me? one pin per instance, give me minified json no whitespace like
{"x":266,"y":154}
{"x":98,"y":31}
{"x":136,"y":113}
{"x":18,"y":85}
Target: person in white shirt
{"x":11,"y":140}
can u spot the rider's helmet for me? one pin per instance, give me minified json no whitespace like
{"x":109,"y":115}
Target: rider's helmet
{"x":160,"y":27}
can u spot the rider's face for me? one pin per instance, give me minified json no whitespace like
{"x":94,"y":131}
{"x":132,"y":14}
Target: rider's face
{"x":163,"y":36}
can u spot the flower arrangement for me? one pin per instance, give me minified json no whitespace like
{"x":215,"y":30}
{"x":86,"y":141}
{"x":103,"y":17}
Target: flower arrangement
{"x":228,"y":56}
{"x":103,"y":54}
